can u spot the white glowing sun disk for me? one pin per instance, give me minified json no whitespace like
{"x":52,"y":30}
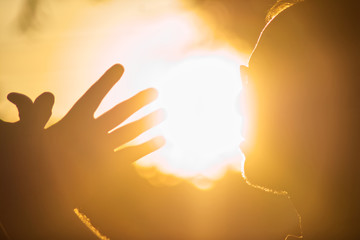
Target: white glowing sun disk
{"x":203,"y":125}
{"x":197,"y":82}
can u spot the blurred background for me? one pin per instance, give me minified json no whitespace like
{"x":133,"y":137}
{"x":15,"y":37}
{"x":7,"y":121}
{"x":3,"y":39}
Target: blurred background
{"x":190,"y":50}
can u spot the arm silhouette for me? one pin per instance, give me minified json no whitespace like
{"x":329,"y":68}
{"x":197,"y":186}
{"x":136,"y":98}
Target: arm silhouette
{"x":45,"y":173}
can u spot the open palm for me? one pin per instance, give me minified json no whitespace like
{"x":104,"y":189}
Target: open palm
{"x":81,"y":147}
{"x":45,"y":173}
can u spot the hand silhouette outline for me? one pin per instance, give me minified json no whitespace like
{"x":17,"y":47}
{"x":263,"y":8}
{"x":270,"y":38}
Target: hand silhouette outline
{"x":83,"y":144}
{"x":48,"y":172}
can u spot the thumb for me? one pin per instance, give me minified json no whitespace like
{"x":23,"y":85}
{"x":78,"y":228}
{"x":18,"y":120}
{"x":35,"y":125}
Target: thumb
{"x":23,"y":104}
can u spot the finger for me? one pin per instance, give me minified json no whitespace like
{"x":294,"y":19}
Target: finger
{"x":134,"y":129}
{"x":136,"y":152}
{"x":24,"y":105}
{"x":124,"y":110}
{"x":43,"y":105}
{"x":90,"y":101}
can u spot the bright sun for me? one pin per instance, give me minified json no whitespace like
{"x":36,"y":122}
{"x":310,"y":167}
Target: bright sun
{"x":203,"y":125}
{"x":198,"y":81}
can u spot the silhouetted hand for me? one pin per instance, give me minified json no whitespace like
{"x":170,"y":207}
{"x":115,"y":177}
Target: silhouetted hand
{"x":19,"y":141}
{"x":81,"y":147}
{"x":24,"y":179}
{"x":46,"y":173}
{"x":33,"y":115}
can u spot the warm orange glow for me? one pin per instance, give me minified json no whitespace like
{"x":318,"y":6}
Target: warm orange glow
{"x":203,"y":126}
{"x":162,"y":46}
{"x":86,"y":221}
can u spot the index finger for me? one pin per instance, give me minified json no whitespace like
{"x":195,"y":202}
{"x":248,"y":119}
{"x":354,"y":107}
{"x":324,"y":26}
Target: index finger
{"x":91,"y":100}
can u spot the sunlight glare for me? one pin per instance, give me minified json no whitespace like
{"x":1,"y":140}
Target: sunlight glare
{"x":198,"y":80}
{"x":199,"y":95}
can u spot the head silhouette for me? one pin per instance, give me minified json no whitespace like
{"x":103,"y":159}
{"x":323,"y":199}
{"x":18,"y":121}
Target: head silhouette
{"x":305,"y":82}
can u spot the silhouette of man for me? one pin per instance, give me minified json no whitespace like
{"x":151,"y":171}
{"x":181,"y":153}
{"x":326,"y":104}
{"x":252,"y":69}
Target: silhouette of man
{"x":304,"y":85}
{"x":304,"y":77}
